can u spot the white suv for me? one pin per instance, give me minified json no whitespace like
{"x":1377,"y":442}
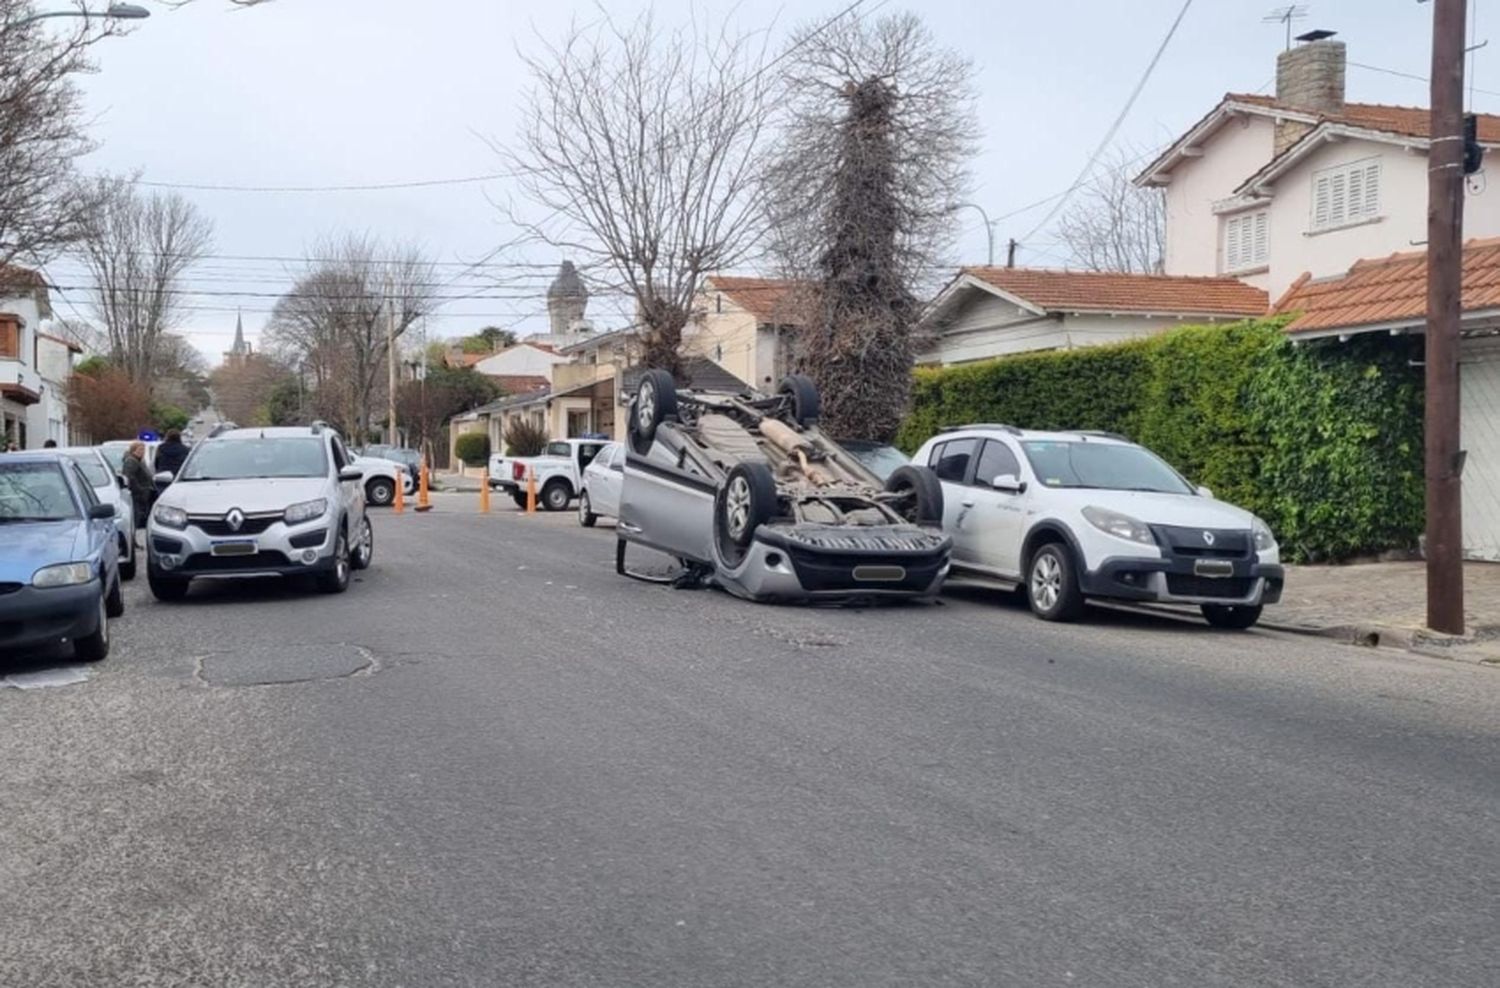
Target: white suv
{"x":260,"y":502}
{"x":1072,"y":515}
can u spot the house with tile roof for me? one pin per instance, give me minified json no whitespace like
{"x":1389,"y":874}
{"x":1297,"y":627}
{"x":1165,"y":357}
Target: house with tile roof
{"x":1267,"y":188}
{"x":987,"y":312}
{"x":34,"y":366}
{"x":748,"y":326}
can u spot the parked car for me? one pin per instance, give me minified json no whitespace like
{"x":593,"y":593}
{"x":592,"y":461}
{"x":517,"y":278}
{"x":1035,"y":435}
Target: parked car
{"x":381,"y":477}
{"x":747,"y":491}
{"x":559,"y":472}
{"x":599,"y":490}
{"x":1078,"y":515}
{"x":109,"y":488}
{"x":261,"y":502}
{"x":114,"y":453}
{"x":59,"y":565}
{"x":409,"y":459}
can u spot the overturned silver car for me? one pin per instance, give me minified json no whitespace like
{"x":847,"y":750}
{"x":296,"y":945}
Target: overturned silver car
{"x":745,"y":490}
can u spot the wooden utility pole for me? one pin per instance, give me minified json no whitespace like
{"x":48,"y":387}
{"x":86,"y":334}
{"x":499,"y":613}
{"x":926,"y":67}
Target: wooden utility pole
{"x":390,"y":352}
{"x":1445,"y":211}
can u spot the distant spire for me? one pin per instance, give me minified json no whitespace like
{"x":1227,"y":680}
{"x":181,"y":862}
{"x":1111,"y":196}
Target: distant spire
{"x":239,"y":334}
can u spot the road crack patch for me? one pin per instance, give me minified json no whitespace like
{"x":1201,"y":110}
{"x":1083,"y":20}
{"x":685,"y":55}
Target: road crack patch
{"x":281,"y":665}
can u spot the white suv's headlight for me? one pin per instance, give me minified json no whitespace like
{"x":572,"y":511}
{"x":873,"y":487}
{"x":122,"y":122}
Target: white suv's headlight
{"x":305,"y":511}
{"x":170,"y":517}
{"x":1118,"y":525}
{"x":1264,"y":540}
{"x":62,"y":575}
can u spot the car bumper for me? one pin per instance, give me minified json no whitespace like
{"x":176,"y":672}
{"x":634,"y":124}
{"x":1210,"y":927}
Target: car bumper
{"x":281,"y":550}
{"x":32,"y":618}
{"x":1177,"y":580}
{"x":780,"y":568}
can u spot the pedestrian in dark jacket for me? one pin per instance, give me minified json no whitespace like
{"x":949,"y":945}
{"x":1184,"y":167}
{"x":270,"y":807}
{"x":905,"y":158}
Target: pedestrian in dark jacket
{"x":138,"y":479}
{"x":171,"y":453}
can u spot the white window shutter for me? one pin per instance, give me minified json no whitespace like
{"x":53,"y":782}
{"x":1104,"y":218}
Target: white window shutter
{"x":1322,"y":201}
{"x":1371,"y":205}
{"x":1338,"y":208}
{"x":1231,"y":243}
{"x":1260,"y":249}
{"x":1356,"y":193}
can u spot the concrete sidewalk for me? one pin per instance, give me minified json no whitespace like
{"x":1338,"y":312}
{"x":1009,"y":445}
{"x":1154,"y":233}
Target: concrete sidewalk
{"x":1386,"y":604}
{"x":450,"y":481}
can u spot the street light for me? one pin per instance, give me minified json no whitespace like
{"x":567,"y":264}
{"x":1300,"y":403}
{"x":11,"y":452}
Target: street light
{"x":989,"y":229}
{"x":116,"y":11}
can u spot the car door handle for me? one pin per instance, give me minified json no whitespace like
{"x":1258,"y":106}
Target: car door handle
{"x":968,"y":503}
{"x":625,"y":526}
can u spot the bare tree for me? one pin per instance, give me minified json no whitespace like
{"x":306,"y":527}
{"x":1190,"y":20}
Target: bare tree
{"x":137,"y":249}
{"x":644,"y":142}
{"x":333,"y":322}
{"x":861,"y":193}
{"x":1113,"y":224}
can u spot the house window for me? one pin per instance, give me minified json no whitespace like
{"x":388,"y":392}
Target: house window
{"x":1246,"y":241}
{"x":1346,"y":194}
{"x":10,"y":338}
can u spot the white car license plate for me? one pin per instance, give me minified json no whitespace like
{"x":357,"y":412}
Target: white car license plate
{"x":1214,"y":568}
{"x":240,"y":548}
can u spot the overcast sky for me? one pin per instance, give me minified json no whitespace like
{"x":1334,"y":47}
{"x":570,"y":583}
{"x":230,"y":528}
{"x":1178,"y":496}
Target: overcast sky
{"x":358,"y":92}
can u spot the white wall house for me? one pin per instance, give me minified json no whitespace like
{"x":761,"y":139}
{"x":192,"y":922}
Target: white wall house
{"x":54,"y":362}
{"x":522,"y":360}
{"x":23,"y":306}
{"x":748,"y":326}
{"x":993,"y":312}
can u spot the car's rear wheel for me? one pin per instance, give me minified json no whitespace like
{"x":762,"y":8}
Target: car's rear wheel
{"x":166,"y":588}
{"x":1235,"y":617}
{"x":922,"y":500}
{"x":364,"y":553}
{"x":586,"y":516}
{"x":556,"y":495}
{"x":1052,"y":584}
{"x":807,"y":405}
{"x":92,"y":648}
{"x":380,"y":491}
{"x":655,"y":401}
{"x":520,"y":498}
{"x":336,"y":578}
{"x":745,"y":502}
{"x":114,"y":601}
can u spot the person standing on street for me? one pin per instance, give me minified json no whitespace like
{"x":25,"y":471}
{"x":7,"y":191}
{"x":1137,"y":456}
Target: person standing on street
{"x":137,"y":480}
{"x":171,"y":453}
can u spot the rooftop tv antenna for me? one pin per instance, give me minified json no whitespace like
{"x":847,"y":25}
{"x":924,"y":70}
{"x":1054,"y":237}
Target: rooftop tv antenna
{"x":1286,"y":15}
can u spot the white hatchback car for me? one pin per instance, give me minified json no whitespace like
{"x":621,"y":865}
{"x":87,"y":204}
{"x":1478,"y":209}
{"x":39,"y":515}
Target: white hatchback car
{"x":599,"y":488}
{"x":1075,"y":515}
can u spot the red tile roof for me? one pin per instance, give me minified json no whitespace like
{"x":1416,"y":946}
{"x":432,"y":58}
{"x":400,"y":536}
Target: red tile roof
{"x":1409,"y":121}
{"x":1387,"y":290}
{"x":767,"y":299}
{"x":58,"y":339}
{"x":1074,"y":291}
{"x":519,"y":384}
{"x":12,"y":276}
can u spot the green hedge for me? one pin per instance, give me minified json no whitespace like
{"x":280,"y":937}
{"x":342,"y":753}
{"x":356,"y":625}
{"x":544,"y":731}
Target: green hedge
{"x":1322,"y":440}
{"x":473,"y":448}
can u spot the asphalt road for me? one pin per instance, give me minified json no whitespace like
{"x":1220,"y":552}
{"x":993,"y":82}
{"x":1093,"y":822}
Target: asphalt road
{"x":493,"y":762}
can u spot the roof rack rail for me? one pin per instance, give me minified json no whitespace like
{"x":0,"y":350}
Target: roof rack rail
{"x":982,"y":425}
{"x":1103,"y":434}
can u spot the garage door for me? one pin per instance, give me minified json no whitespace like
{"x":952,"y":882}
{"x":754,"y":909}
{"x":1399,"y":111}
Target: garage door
{"x":1480,"y":400}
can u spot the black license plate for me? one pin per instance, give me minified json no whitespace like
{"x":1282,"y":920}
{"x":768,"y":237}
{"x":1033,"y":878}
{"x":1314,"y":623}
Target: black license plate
{"x":234,"y":549}
{"x":1213,"y":568}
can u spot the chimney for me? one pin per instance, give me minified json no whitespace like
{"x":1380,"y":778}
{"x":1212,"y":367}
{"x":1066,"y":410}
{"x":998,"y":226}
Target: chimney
{"x":1309,"y":77}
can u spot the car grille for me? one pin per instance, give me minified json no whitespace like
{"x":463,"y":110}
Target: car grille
{"x":1227,"y":543}
{"x":918,"y":542}
{"x":216,"y":525}
{"x":202,"y":562}
{"x":1230,"y":588}
{"x":6,"y":588}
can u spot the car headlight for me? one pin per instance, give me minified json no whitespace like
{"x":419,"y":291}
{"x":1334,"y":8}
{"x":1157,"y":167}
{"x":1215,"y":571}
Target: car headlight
{"x":1264,"y":540}
{"x":62,"y":575}
{"x":1118,"y":525}
{"x":305,"y":511}
{"x":170,"y":517}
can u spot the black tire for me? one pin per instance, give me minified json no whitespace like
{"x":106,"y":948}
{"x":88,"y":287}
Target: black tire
{"x":95,"y":647}
{"x":166,"y":588}
{"x":923,"y":504}
{"x":380,"y":491}
{"x":807,"y":404}
{"x":1235,"y":617}
{"x":362,"y":557}
{"x":335,"y":579}
{"x":555,"y":495}
{"x":586,"y":517}
{"x":1052,"y":583}
{"x":655,"y":402}
{"x":520,"y":498}
{"x":114,"y":601}
{"x":745,"y":502}
{"x":127,"y":566}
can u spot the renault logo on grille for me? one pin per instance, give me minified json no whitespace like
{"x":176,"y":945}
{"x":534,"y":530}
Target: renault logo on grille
{"x":1208,"y":537}
{"x":235,"y":518}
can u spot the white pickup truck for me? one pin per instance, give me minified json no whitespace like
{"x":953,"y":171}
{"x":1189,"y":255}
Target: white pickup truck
{"x":558,"y":471}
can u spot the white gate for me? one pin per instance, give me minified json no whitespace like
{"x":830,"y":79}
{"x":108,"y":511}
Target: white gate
{"x":1480,"y":406}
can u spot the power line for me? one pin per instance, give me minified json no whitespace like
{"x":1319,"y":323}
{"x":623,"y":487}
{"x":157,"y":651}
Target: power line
{"x":368,"y":187}
{"x":1413,"y":76}
{"x":1114,"y":128}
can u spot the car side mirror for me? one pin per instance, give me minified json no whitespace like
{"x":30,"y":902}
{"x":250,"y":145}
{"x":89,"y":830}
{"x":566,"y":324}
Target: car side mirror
{"x":1009,"y":483}
{"x":100,"y":512}
{"x":1204,"y":491}
{"x":163,"y":479}
{"x":120,"y":479}
{"x":351,"y":473}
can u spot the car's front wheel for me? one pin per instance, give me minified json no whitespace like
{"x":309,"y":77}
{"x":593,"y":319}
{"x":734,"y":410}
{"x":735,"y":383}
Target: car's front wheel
{"x":1235,"y":617}
{"x":166,"y":588}
{"x":94,"y":647}
{"x":364,"y":553}
{"x":586,"y":516}
{"x":335,"y":579}
{"x":127,"y":561}
{"x":1052,"y":584}
{"x":114,"y":601}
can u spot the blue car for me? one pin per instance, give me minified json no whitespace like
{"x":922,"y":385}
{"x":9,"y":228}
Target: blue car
{"x":59,"y":564}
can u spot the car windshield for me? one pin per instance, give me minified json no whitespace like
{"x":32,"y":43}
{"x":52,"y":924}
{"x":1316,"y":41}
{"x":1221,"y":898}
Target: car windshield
{"x":35,"y":492}
{"x":93,"y":471}
{"x":878,"y":458}
{"x":115,"y":456}
{"x":1111,"y":466}
{"x":242,"y":459}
